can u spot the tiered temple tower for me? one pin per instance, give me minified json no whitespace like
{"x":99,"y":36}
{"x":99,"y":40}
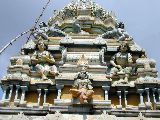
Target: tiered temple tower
{"x":81,"y":65}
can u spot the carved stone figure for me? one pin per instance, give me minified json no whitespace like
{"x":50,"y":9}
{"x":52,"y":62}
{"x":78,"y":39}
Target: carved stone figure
{"x":45,"y":31}
{"x":41,"y":32}
{"x":76,"y":27}
{"x":78,"y":30}
{"x":44,"y":61}
{"x":55,"y":32}
{"x":82,"y":88}
{"x":122,"y":62}
{"x":119,"y":33}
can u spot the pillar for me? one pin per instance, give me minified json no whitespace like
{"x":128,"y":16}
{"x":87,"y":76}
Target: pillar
{"x":140,"y":91}
{"x":154,"y":98}
{"x":125,"y":97}
{"x":39,"y":96}
{"x":45,"y":95}
{"x":24,"y":89}
{"x":10,"y":92}
{"x":158,"y":95}
{"x":148,"y":98}
{"x":106,"y":89}
{"x":59,"y":88}
{"x":17,"y":89}
{"x":5,"y":88}
{"x":119,"y":95}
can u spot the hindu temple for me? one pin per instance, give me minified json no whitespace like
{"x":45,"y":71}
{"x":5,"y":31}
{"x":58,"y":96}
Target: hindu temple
{"x":81,"y":64}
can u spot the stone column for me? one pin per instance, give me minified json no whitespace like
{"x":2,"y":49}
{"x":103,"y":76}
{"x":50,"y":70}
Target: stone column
{"x":158,"y":95}
{"x":24,"y":89}
{"x":154,"y":98}
{"x":141,"y":104}
{"x":17,"y":89}
{"x":10,"y":93}
{"x":140,"y":91}
{"x":39,"y":96}
{"x":45,"y":95}
{"x":5,"y":88}
{"x":148,"y":98}
{"x":59,"y":88}
{"x":119,"y":95}
{"x":125,"y":97}
{"x":106,"y":89}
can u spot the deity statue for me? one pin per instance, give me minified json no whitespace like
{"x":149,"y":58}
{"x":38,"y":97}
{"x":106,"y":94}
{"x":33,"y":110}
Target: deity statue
{"x":122,"y":62}
{"x":82,"y":88}
{"x":44,"y":61}
{"x":119,"y":33}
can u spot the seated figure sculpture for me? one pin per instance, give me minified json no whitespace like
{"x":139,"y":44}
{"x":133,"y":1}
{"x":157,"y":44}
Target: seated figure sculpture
{"x":122,"y":63}
{"x":82,"y":88}
{"x":119,"y":33}
{"x":44,"y":61}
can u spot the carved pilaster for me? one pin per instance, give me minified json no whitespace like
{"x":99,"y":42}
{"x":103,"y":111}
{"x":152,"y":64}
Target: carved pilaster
{"x":39,"y":96}
{"x":148,"y":98}
{"x":154,"y":97}
{"x":59,"y":88}
{"x":158,"y":95}
{"x":24,"y":89}
{"x":106,"y":89}
{"x":10,"y":93}
{"x":140,"y":91}
{"x":125,"y":97}
{"x":17,"y":89}
{"x":5,"y":88}
{"x":45,"y":95}
{"x":119,"y":95}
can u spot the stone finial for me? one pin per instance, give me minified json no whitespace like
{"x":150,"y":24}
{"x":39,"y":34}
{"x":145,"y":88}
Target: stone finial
{"x":141,"y":116}
{"x":20,"y":116}
{"x":106,"y":116}
{"x":56,"y":116}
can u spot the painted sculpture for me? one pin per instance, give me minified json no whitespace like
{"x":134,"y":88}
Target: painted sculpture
{"x":122,"y":63}
{"x":44,"y":61}
{"x":82,"y":88}
{"x":119,"y":33}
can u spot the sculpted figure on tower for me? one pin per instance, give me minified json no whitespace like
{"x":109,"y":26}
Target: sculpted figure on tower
{"x":82,"y":88}
{"x":119,"y":33}
{"x":122,"y":62}
{"x":44,"y":61}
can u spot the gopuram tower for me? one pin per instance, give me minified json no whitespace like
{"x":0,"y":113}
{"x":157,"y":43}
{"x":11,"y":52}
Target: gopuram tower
{"x":81,"y":65}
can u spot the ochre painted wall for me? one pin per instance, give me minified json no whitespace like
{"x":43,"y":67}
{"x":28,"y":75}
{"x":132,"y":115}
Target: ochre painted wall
{"x":51,"y":96}
{"x":32,"y":97}
{"x":98,"y":94}
{"x":65,"y":93}
{"x":114,"y":99}
{"x":133,"y":99}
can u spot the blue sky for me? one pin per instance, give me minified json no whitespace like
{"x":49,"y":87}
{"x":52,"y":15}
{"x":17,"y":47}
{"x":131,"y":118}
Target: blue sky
{"x":141,"y":17}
